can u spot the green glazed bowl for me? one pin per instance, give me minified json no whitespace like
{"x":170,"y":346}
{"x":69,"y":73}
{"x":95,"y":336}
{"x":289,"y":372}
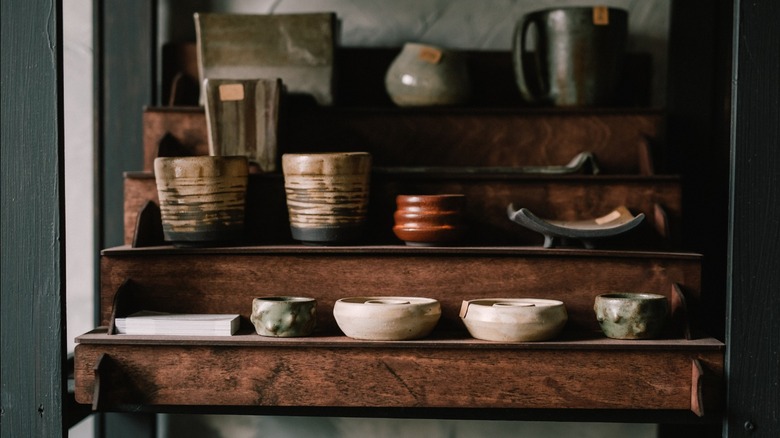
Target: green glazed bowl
{"x":631,"y":315}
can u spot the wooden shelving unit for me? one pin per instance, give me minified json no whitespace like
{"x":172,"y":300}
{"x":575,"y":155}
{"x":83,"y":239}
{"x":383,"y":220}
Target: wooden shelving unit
{"x":580,"y":371}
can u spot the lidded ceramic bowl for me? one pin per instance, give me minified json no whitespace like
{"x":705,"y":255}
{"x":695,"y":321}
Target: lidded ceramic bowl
{"x":387,"y":318}
{"x":631,"y":315}
{"x":514,"y":319}
{"x":429,"y":220}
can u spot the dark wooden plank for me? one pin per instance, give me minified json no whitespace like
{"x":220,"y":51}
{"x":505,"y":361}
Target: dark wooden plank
{"x":753,"y":354}
{"x":449,"y":340}
{"x":225,"y":282}
{"x":441,"y":137}
{"x":381,"y":377}
{"x":32,"y":283}
{"x":567,"y":198}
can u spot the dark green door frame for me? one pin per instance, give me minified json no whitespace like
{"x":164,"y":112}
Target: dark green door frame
{"x":32,"y":309}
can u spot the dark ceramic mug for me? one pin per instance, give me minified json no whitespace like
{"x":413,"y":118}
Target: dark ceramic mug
{"x":578,"y":60}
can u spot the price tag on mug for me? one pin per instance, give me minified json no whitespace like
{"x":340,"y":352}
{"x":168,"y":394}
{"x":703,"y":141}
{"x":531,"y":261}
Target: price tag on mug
{"x":230,"y":92}
{"x":601,"y":16}
{"x":430,"y":55}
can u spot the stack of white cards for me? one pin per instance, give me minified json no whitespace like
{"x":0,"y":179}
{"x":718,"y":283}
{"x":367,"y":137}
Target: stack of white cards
{"x":155,"y":323}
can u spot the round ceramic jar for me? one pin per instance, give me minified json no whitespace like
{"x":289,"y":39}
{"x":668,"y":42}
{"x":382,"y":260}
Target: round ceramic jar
{"x":425,"y":75}
{"x":631,"y":315}
{"x":387,"y":318}
{"x":327,"y":195}
{"x":202,"y":198}
{"x":284,"y":316}
{"x":429,"y":220}
{"x":514,"y":319}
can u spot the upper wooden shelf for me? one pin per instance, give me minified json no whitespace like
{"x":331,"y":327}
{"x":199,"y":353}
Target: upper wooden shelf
{"x":624,"y":141}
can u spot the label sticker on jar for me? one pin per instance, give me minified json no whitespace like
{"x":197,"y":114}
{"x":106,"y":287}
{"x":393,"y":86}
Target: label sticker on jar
{"x":430,"y":55}
{"x":229,"y":92}
{"x":601,"y":16}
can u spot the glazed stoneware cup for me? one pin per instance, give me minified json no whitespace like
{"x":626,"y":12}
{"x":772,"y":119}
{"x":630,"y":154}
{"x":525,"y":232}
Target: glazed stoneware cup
{"x":327,"y":195}
{"x":429,"y":220}
{"x":631,"y":315}
{"x":284,"y":317}
{"x":387,"y":318}
{"x":514,"y":319}
{"x":425,"y":75}
{"x":202,"y":198}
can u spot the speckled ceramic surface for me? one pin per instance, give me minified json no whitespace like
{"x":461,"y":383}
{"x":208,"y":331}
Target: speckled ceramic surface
{"x":429,"y":220}
{"x":514,"y":319}
{"x":631,"y":315}
{"x":202,"y":198}
{"x":387,"y":318}
{"x":327,"y":195}
{"x":284,"y":316}
{"x":425,"y":75}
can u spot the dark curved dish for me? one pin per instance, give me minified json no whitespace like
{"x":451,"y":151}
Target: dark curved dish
{"x":587,"y":231}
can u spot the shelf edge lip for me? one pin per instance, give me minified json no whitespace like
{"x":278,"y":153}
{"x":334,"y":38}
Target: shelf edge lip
{"x":398,"y":250}
{"x":384,"y":172}
{"x":98,"y":337}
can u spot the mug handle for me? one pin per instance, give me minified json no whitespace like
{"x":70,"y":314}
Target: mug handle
{"x":518,"y":50}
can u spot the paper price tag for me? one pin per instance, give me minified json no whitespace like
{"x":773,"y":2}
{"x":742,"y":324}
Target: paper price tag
{"x":601,"y":16}
{"x":230,"y":92}
{"x":429,"y":55}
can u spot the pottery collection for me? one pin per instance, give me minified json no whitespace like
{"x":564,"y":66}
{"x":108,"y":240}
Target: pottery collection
{"x":426,"y":75}
{"x":631,"y":315}
{"x":514,"y":319}
{"x":387,"y":318}
{"x":327,"y":195}
{"x":202,"y":198}
{"x":578,"y":59}
{"x":429,"y":220}
{"x":283,"y":316}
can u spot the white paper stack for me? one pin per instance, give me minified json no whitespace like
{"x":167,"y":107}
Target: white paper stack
{"x":155,"y":323}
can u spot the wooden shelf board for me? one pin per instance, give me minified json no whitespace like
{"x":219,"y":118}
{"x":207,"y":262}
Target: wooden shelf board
{"x":517,"y":251}
{"x":456,"y":340}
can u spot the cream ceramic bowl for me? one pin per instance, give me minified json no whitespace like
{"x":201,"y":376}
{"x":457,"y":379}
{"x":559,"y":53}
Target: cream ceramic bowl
{"x":514,"y":319}
{"x":387,"y":318}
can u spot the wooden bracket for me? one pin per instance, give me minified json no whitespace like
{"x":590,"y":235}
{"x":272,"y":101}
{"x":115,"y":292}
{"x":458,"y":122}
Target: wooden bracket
{"x":646,"y":166}
{"x":101,"y":378}
{"x":148,"y":226}
{"x":680,"y":322}
{"x":124,"y":304}
{"x":661,"y":222}
{"x":698,"y":377}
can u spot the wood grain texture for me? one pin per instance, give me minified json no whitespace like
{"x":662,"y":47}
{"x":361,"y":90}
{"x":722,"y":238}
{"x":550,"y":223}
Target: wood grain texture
{"x":565,"y":198}
{"x":443,"y":137}
{"x":389,"y":377}
{"x":32,"y":228}
{"x":226,"y":281}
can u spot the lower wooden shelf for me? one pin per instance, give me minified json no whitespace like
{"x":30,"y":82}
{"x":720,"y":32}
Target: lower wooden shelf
{"x":446,"y":371}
